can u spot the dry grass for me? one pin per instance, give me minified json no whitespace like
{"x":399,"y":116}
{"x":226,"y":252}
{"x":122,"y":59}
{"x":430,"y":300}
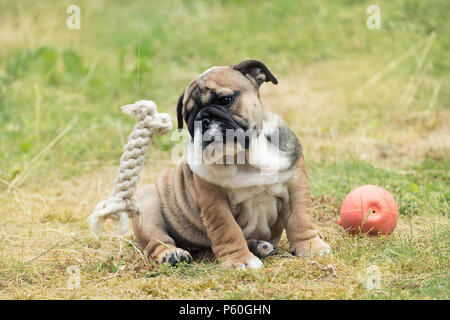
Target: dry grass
{"x":44,"y":232}
{"x":324,"y":110}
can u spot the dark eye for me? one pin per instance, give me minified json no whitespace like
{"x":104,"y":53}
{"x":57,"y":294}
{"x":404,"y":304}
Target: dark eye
{"x":225,"y":100}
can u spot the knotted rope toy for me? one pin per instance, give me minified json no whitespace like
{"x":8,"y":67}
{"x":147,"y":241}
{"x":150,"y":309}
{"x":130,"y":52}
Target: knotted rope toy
{"x":123,"y":203}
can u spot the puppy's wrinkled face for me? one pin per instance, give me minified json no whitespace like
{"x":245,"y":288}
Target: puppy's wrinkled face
{"x":225,"y":98}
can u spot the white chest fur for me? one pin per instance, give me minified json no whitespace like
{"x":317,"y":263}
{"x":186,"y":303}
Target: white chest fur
{"x":257,"y":215}
{"x":256,"y":209}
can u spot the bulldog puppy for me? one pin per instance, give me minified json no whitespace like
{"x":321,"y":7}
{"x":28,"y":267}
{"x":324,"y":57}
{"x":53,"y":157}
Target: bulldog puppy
{"x":242,"y":182}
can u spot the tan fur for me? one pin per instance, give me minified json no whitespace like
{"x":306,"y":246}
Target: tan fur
{"x":185,"y":213}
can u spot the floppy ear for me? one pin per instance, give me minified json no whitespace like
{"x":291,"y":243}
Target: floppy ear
{"x":256,"y":71}
{"x":180,"y":112}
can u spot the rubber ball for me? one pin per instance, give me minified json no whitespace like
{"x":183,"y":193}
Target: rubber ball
{"x":369,"y":210}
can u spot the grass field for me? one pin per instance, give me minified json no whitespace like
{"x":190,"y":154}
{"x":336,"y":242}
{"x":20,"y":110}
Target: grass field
{"x":370,"y":107}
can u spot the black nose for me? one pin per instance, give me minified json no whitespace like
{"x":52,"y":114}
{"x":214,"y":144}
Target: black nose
{"x":205,"y":124}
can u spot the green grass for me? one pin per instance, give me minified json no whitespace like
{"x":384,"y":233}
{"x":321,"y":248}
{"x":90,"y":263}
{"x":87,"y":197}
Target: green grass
{"x":393,"y":132}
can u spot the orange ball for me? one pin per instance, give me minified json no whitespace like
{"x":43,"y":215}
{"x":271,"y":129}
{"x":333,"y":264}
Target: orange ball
{"x":370,"y":210}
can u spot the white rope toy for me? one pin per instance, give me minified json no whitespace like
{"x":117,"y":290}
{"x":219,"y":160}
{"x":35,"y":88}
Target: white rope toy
{"x":123,"y":203}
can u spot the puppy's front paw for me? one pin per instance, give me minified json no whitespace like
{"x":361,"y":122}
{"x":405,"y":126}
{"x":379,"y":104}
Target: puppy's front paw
{"x":311,"y":247}
{"x":174,"y":256}
{"x":251,"y":262}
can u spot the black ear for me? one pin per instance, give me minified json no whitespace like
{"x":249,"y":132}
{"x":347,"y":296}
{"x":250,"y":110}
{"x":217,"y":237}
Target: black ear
{"x":256,"y":71}
{"x":180,"y":112}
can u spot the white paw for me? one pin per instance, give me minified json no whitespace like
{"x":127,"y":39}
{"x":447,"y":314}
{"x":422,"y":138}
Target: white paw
{"x":326,"y":250}
{"x":313,"y":247}
{"x":254,"y":263}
